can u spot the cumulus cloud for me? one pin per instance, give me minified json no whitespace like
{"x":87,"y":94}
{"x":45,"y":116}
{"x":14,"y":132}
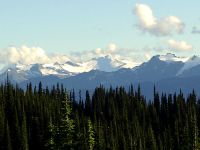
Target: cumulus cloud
{"x":27,"y":55}
{"x":32,"y":55}
{"x":112,"y":47}
{"x":122,"y":54}
{"x":195,"y":30}
{"x":159,"y":27}
{"x":179,"y":45}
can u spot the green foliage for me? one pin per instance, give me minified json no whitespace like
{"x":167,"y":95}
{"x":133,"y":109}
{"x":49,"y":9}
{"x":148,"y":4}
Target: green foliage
{"x":91,"y":139}
{"x":111,"y":119}
{"x":61,"y":135}
{"x":51,"y":138}
{"x":7,"y":140}
{"x":24,"y":138}
{"x":151,"y":142}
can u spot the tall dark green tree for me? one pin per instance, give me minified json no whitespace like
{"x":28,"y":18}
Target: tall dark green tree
{"x":24,"y":135}
{"x":91,"y":138}
{"x":150,"y":140}
{"x":65,"y":127}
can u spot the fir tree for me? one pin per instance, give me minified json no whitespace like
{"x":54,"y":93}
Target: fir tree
{"x":24,"y":135}
{"x":65,"y":128}
{"x":51,"y":137}
{"x":7,"y":145}
{"x":150,"y":141}
{"x":91,"y":139}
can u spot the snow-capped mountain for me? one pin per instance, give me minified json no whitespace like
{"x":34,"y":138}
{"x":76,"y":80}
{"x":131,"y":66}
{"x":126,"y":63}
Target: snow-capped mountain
{"x":159,"y":67}
{"x":190,"y":63}
{"x":20,"y":72}
{"x":166,"y":71}
{"x":107,"y":64}
{"x":169,"y":57}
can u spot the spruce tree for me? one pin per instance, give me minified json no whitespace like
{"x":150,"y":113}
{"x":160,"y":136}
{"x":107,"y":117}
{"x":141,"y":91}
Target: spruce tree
{"x":150,"y":141}
{"x":65,"y":131}
{"x":7,"y":145}
{"x":51,"y":145}
{"x":2,"y":124}
{"x":24,"y":135}
{"x":91,"y":139}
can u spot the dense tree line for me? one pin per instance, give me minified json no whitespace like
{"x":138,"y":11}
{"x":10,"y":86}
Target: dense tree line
{"x":114,"y":118}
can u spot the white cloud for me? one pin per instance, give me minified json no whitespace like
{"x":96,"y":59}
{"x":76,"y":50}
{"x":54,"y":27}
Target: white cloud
{"x":98,"y":52}
{"x":26,"y":55}
{"x":112,"y":47}
{"x":31,"y":55}
{"x":145,"y":15}
{"x":125,"y":55}
{"x":179,"y":45}
{"x":159,"y":27}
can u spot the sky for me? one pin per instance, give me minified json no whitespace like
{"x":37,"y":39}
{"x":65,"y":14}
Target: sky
{"x":132,"y":29}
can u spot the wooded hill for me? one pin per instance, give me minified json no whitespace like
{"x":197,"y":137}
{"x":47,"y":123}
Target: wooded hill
{"x":111,"y":119}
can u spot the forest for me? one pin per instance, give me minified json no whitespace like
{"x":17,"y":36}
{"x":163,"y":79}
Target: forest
{"x":107,"y":119}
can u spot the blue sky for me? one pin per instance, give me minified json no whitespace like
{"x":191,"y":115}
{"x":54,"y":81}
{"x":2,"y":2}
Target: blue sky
{"x":76,"y":26}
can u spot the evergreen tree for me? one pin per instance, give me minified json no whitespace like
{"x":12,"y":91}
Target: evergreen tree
{"x":91,"y":139}
{"x":150,"y":141}
{"x":24,"y":135}
{"x":109,"y":119}
{"x":87,"y":104}
{"x":65,"y":128}
{"x":2,"y":124}
{"x":51,"y":138}
{"x":7,"y":145}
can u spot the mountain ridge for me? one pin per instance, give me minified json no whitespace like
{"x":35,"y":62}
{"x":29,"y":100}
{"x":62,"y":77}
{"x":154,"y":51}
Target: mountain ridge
{"x":158,"y":70}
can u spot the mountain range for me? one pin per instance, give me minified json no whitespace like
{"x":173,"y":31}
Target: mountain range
{"x":168,"y":73}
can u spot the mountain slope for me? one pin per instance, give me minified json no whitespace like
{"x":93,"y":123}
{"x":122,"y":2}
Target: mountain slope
{"x":166,"y":71}
{"x":62,"y":70}
{"x":157,"y":69}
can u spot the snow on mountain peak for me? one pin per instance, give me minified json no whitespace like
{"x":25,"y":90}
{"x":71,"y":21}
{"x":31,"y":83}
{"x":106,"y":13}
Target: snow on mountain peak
{"x":190,"y":63}
{"x":72,"y":64}
{"x":169,"y":57}
{"x":108,"y":63}
{"x":105,"y":63}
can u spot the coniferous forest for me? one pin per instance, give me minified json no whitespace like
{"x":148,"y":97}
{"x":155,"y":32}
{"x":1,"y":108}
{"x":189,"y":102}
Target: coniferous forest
{"x":111,"y":119}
